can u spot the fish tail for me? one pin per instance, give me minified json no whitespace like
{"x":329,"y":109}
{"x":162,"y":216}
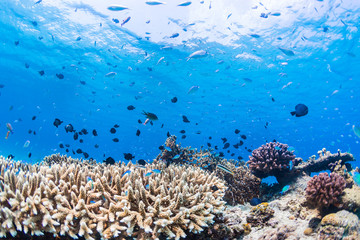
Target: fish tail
{"x":293,"y":113}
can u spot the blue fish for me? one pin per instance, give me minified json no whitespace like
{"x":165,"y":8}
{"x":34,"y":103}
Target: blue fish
{"x":300,"y":110}
{"x":147,"y":187}
{"x":92,"y":201}
{"x":157,"y":171}
{"x":89,"y":179}
{"x":148,"y":174}
{"x":356,"y":178}
{"x":167,"y":148}
{"x":127,"y":172}
{"x":255,"y":201}
{"x":176,"y":156}
{"x":285,"y":189}
{"x":291,"y":164}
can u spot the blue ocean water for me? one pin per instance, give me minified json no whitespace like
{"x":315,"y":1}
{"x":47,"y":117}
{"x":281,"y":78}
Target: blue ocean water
{"x":262,"y":59}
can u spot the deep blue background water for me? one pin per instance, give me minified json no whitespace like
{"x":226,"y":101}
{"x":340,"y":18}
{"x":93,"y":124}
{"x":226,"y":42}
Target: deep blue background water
{"x":323,"y":74}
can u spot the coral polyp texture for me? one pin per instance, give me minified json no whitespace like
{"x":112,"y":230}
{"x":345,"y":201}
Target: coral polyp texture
{"x":270,"y":159}
{"x":107,"y":201}
{"x":242,"y":184}
{"x":323,"y":190}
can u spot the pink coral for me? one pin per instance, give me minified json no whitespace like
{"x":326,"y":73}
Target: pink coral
{"x":324,"y":190}
{"x":271,"y":159}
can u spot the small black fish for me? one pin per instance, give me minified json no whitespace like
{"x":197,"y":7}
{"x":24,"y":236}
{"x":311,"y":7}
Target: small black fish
{"x":33,"y":118}
{"x":162,"y":125}
{"x":34,"y":23}
{"x":198,"y":132}
{"x":185,"y":119}
{"x":30,"y":131}
{"x":109,"y":160}
{"x":128,"y":156}
{"x":139,"y":121}
{"x":183,"y":136}
{"x":237,"y":131}
{"x":60,"y":76}
{"x":112,"y":130}
{"x":161,"y":147}
{"x":224,"y":140}
{"x":82,"y":82}
{"x":168,"y":134}
{"x":210,"y":137}
{"x":94,"y":132}
{"x":80,"y":133}
{"x":273,"y":99}
{"x":240,"y":157}
{"x":249,"y":150}
{"x":241,"y":143}
{"x":115,"y":140}
{"x":116,"y":126}
{"x":226,"y":145}
{"x":27,"y":65}
{"x":216,"y":147}
{"x":243,"y":137}
{"x":41,"y":72}
{"x":96,"y":146}
{"x":221,"y":154}
{"x":84,"y":131}
{"x":300,"y":110}
{"x":232,"y":154}
{"x":138,"y":132}
{"x":228,"y":151}
{"x":209,"y":144}
{"x":76,"y":136}
{"x":130,"y":107}
{"x":236,"y":146}
{"x":174,"y":100}
{"x":29,"y":155}
{"x":10,"y":156}
{"x":81,"y":140}
{"x":79,"y":151}
{"x":67,"y":145}
{"x":182,"y":131}
{"x":141,"y":162}
{"x":17,"y":42}
{"x":67,"y":150}
{"x":69,"y":128}
{"x":86,"y":155}
{"x":61,"y":145}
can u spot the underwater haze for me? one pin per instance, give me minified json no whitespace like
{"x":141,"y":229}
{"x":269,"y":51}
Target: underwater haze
{"x":230,"y":65}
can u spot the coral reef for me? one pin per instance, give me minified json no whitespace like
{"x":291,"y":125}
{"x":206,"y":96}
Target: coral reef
{"x":351,"y":199}
{"x":343,"y":170}
{"x":107,"y":201}
{"x":324,"y":190}
{"x":270,"y":159}
{"x":325,"y":161}
{"x":260,"y":215}
{"x":340,"y":225}
{"x":59,"y":159}
{"x":242,"y":185}
{"x":282,"y":232}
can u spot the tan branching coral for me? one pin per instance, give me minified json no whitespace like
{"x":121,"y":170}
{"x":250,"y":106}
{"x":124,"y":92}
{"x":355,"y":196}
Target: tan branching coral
{"x":110,"y":201}
{"x":242,"y":185}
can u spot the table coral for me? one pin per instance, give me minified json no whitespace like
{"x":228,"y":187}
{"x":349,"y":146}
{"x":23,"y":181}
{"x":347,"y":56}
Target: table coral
{"x":107,"y":201}
{"x":270,"y":159}
{"x":323,"y":190}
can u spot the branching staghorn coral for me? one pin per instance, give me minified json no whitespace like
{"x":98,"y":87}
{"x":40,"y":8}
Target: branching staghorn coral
{"x":110,"y":201}
{"x":242,"y":185}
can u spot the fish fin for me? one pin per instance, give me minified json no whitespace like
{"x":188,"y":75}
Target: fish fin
{"x":293,"y":113}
